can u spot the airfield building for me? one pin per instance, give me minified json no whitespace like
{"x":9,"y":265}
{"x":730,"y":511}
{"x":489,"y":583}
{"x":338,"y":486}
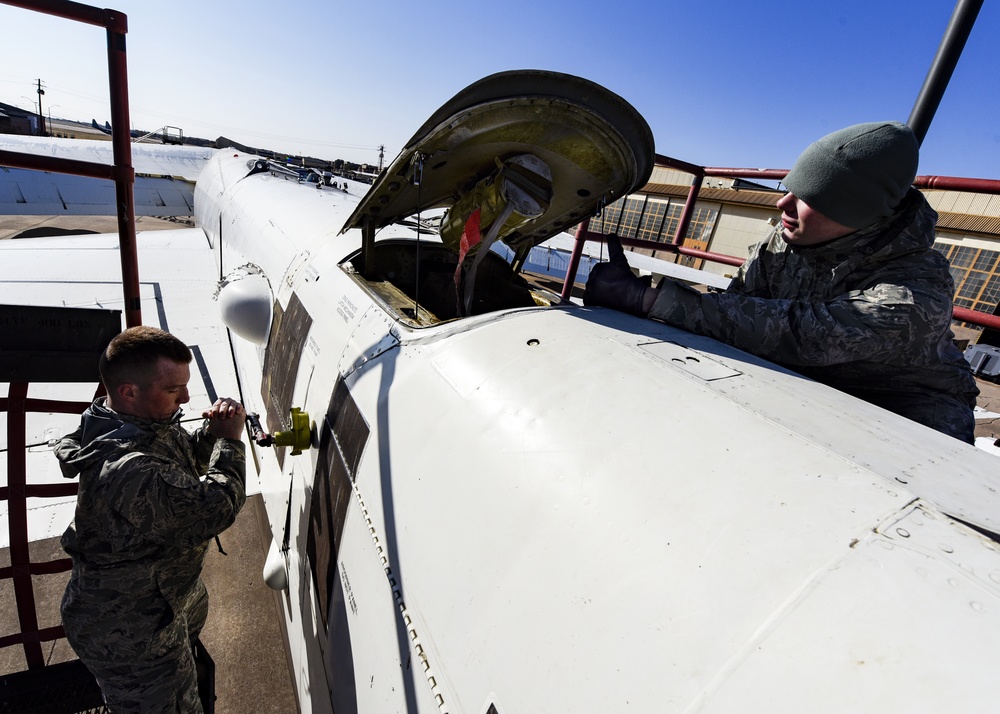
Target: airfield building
{"x":731,"y":215}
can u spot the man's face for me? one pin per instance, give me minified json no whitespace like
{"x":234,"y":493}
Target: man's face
{"x":802,"y":225}
{"x":164,"y":394}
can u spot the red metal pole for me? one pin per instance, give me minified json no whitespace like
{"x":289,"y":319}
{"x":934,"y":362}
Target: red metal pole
{"x":721,"y":172}
{"x":574,"y":259}
{"x":672,"y":163}
{"x":18,"y":160}
{"x":665,"y":247}
{"x":698,"y":173}
{"x":977,"y":318}
{"x":955,"y":183}
{"x":688,"y":211}
{"x":124,"y":172}
{"x":17,"y":509}
{"x":951,"y":183}
{"x":73,"y":11}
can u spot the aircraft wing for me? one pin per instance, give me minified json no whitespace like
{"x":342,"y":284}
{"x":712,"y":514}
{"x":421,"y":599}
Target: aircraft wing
{"x":164,"y":183}
{"x":178,"y":280}
{"x":552,"y":258}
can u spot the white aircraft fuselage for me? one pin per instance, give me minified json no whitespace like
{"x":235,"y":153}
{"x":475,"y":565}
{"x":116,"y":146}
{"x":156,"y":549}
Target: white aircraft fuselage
{"x":548,"y":507}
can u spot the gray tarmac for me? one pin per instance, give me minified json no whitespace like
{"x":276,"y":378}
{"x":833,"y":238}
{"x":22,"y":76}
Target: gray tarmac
{"x":37,"y":226}
{"x":243,"y":634}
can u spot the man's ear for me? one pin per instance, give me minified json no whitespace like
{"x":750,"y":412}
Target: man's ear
{"x":126,"y":393}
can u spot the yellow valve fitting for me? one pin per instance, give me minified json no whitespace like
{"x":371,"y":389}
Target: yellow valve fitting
{"x":299,"y":437}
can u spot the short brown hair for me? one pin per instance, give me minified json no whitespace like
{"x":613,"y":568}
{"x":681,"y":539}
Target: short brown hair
{"x":132,"y":355}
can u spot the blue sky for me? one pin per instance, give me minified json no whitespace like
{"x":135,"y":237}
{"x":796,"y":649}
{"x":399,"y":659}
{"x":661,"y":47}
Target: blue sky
{"x":721,"y":83}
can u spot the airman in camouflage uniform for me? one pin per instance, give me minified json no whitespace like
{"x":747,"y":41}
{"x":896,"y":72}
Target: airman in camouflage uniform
{"x":152,"y":496}
{"x":863,"y":303}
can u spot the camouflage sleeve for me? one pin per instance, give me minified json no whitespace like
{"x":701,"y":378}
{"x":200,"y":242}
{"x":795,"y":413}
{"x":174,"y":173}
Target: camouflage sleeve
{"x":203,"y":444}
{"x":65,"y":448}
{"x":170,"y":505}
{"x":751,"y":273}
{"x":872,"y":324}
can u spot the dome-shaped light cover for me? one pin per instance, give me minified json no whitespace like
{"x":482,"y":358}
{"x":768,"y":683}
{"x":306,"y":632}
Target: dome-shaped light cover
{"x":246,"y":303}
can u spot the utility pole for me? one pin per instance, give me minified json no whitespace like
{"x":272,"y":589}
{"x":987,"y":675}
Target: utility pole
{"x":41,"y":116}
{"x":381,"y":156}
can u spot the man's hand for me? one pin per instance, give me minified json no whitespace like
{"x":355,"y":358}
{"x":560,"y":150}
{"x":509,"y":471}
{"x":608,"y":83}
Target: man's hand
{"x":225,"y":418}
{"x":614,"y":285}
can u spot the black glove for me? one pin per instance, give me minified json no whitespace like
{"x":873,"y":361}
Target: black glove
{"x":614,"y":285}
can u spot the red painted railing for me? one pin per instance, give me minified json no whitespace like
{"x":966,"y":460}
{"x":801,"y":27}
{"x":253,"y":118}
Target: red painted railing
{"x":122,"y":171}
{"x":17,"y":404}
{"x":16,"y":492}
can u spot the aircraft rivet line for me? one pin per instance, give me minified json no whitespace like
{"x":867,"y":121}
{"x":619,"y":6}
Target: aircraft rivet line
{"x":401,"y":605}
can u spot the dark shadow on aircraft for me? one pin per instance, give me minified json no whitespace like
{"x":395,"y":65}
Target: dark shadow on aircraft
{"x":387,"y":365}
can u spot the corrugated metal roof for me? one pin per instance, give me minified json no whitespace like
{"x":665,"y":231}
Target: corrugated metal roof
{"x":723,"y":195}
{"x":974,"y":204}
{"x":987,"y":225}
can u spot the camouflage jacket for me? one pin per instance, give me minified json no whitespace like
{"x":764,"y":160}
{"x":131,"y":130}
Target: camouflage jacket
{"x":144,"y":516}
{"x":869,"y":313}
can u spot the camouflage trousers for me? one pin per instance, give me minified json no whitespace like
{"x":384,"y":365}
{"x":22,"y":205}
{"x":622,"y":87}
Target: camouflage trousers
{"x":143,"y":665}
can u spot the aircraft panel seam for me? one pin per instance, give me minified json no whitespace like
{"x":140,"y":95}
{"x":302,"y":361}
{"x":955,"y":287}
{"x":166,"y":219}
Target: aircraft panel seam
{"x":796,"y":597}
{"x":397,"y":595}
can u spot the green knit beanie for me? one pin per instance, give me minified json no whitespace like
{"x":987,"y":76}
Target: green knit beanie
{"x":857,"y":175}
